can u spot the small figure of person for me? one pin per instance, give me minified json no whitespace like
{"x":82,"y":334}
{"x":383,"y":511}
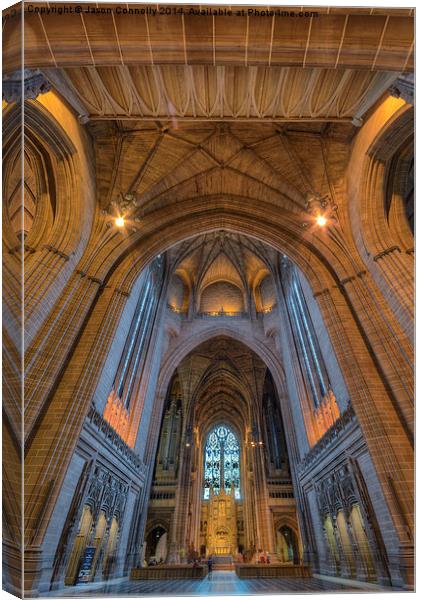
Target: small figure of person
{"x":210,"y":566}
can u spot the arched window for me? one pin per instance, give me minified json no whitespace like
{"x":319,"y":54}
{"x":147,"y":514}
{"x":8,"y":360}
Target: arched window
{"x":222,"y":462}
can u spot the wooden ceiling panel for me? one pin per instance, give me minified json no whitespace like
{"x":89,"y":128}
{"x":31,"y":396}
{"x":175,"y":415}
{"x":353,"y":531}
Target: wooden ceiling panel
{"x":167,"y":37}
{"x":102,"y":39}
{"x":362,"y":44}
{"x":325,"y":41}
{"x":133,"y":38}
{"x":199,"y":34}
{"x":69,"y":45}
{"x":152,"y":39}
{"x":290,"y":41}
{"x":398,"y":42}
{"x":260,"y":40}
{"x":410,"y":63}
{"x":35,"y":38}
{"x":230,"y":40}
{"x":393,"y":12}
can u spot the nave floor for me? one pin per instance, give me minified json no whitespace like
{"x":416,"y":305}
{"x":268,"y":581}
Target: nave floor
{"x":220,"y":583}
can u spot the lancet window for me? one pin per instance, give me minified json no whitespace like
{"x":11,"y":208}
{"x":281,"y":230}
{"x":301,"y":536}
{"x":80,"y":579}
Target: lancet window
{"x":119,"y":404}
{"x":321,"y":396}
{"x":304,"y":333}
{"x":139,"y":334}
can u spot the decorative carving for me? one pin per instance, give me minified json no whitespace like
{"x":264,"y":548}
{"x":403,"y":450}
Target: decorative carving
{"x":315,"y":203}
{"x":31,"y":82}
{"x":125,"y":205}
{"x":326,"y":413}
{"x":117,"y":415}
{"x":59,"y":253}
{"x":222,"y":523}
{"x":106,"y":493}
{"x":112,"y":437}
{"x":332,"y":435}
{"x":403,"y":88}
{"x":386,"y":252}
{"x":336,"y":492}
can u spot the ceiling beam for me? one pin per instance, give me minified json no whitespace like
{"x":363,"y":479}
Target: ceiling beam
{"x":339,"y":37}
{"x":200,"y":119}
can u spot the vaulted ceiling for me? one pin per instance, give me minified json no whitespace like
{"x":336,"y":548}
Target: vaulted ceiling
{"x":245,"y":105}
{"x":221,"y":256}
{"x":224,"y":380}
{"x":216,"y":109}
{"x":161,"y":164}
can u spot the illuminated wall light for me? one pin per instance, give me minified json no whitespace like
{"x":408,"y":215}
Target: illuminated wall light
{"x":321,"y":220}
{"x":119,"y":222}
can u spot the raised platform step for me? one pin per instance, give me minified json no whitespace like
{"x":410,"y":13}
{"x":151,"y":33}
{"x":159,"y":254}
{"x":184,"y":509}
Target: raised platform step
{"x":170,"y":572}
{"x":223,"y":562}
{"x":247,"y":571}
{"x":223,"y":567}
{"x":222,"y":559}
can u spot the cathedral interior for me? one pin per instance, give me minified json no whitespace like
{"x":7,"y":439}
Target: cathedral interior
{"x":213,"y":249}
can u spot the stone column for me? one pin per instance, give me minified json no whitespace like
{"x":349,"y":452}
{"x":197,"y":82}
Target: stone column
{"x":53,"y":442}
{"x":182,"y":496}
{"x":392,"y":351}
{"x":54,"y":342}
{"x":386,"y":438}
{"x":397,"y":271}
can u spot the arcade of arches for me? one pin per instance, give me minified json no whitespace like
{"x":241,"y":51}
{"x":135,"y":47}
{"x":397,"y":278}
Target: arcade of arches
{"x":228,"y":369}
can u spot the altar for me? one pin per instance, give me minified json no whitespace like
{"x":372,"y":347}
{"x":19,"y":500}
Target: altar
{"x":222,"y":524}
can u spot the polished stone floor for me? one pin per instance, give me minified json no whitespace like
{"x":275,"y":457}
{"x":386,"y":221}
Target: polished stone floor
{"x":220,"y":583}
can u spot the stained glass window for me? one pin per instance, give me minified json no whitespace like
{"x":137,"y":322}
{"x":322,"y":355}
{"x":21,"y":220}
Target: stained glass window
{"x":222,"y":450}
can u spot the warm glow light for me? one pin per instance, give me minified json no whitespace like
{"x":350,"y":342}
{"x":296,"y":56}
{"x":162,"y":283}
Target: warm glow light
{"x":119,"y":222}
{"x":321,"y":221}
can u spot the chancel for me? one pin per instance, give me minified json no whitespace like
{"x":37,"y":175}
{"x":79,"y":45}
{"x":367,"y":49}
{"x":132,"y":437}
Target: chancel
{"x":214,"y":329}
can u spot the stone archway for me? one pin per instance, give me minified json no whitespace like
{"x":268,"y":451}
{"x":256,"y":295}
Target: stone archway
{"x":288,"y":548}
{"x":156,"y":544}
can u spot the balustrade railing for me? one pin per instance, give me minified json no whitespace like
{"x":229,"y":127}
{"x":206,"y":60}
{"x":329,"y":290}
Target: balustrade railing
{"x":178,"y":311}
{"x":222,"y":314}
{"x":218,"y":314}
